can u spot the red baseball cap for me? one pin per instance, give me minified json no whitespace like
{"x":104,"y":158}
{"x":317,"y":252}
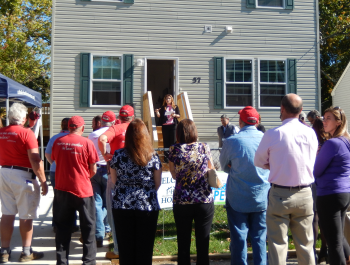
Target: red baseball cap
{"x":249,"y":115}
{"x":126,"y":111}
{"x":75,"y":122}
{"x":108,"y":116}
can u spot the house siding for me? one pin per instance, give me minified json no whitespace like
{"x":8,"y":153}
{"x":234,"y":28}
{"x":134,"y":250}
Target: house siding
{"x":342,"y":92}
{"x":176,"y":29}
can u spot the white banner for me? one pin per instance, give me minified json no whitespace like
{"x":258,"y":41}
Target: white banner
{"x":166,"y":190}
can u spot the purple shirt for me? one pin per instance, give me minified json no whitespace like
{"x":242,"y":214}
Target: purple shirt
{"x":332,"y":168}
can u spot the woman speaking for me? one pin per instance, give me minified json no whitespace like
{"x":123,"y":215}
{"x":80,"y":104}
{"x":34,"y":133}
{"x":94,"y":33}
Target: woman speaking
{"x":168,"y":114}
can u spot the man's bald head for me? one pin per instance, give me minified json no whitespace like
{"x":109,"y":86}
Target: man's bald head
{"x":292,"y":104}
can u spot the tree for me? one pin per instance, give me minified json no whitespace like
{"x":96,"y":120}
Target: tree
{"x":334,"y":44}
{"x":25,"y":35}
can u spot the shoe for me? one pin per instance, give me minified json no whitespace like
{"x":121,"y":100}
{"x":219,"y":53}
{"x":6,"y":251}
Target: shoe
{"x":111,"y":255}
{"x":33,"y":256}
{"x":323,"y":255}
{"x":99,"y":243}
{"x":4,"y":257}
{"x":81,"y":239}
{"x":108,"y":235}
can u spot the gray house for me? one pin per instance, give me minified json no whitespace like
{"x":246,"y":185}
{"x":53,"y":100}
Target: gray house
{"x":225,"y":54}
{"x":341,"y":92}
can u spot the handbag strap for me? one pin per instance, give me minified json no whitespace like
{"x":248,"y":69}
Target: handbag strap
{"x":345,"y":141}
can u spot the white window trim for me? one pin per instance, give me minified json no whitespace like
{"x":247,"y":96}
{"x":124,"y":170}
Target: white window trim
{"x":106,"y":80}
{"x":252,"y":82}
{"x":269,"y":7}
{"x":266,"y":83}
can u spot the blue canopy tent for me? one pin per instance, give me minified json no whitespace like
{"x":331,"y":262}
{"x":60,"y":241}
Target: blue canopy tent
{"x":13,"y":91}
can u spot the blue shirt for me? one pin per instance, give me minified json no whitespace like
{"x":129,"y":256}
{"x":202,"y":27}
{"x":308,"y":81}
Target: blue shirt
{"x":247,"y":186}
{"x":49,"y":147}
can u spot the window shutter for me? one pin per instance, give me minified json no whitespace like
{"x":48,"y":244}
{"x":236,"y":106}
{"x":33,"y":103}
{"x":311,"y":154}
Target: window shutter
{"x":289,"y":4}
{"x":218,"y":83}
{"x":292,"y":75}
{"x":84,"y":80}
{"x":251,"y":3}
{"x":128,"y":1}
{"x":128,"y":81}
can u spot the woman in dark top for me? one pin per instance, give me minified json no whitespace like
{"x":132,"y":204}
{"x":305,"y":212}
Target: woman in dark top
{"x":136,"y":172}
{"x":332,"y":171}
{"x":193,"y":198}
{"x":168,"y":114}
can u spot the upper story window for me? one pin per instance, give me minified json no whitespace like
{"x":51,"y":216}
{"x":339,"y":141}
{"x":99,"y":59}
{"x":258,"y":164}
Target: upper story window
{"x":272,"y":82}
{"x":106,"y":80}
{"x":270,"y":3}
{"x":238,"y":83}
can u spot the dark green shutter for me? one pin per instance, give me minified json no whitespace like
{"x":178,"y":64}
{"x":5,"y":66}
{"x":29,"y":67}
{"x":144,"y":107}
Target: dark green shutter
{"x":128,"y":1}
{"x":292,"y":75}
{"x":128,"y":62}
{"x":84,"y":80}
{"x":289,"y":4}
{"x":218,"y":83}
{"x":251,"y":3}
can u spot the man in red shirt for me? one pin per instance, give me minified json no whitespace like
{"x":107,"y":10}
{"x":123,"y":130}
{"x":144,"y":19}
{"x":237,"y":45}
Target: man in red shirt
{"x":19,"y":189}
{"x":75,"y":158}
{"x":115,"y":135}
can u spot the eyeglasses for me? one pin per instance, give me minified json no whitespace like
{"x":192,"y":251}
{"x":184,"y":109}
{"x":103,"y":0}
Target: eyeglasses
{"x":339,"y":109}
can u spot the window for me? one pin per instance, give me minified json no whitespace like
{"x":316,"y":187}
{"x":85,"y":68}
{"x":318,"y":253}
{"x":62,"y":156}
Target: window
{"x":272,"y":82}
{"x":106,"y":80}
{"x":270,"y":3}
{"x":238,"y":83}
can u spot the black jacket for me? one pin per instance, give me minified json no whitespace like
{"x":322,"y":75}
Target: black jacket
{"x":163,"y":118}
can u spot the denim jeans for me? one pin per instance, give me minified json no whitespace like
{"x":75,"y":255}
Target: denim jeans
{"x":99,"y":185}
{"x":242,"y":224}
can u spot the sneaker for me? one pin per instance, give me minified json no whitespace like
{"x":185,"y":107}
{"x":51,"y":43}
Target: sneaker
{"x":4,"y":257}
{"x":111,"y":255}
{"x":33,"y":256}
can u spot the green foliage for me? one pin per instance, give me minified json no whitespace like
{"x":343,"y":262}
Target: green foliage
{"x":334,"y":42}
{"x":25,"y":35}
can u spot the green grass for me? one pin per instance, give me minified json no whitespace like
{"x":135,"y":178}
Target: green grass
{"x":219,"y":237}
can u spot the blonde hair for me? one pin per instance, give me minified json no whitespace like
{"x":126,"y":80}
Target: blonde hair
{"x":172,"y":101}
{"x":341,"y":129}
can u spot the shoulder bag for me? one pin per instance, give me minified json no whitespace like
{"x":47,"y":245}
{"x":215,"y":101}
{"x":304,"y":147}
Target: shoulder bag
{"x":212,"y":175}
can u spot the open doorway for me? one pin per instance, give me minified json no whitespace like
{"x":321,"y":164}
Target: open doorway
{"x":160,"y":80}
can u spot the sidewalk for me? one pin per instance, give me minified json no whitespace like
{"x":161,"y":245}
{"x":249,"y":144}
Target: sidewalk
{"x":44,"y":239}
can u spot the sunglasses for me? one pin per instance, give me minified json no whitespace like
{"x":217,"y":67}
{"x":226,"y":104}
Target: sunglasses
{"x":340,"y":111}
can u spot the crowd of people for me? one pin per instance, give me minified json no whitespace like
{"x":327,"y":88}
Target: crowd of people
{"x":290,"y":177}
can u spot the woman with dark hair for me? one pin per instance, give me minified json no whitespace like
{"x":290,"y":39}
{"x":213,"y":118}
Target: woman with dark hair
{"x":193,"y":198}
{"x":317,"y":125}
{"x":168,"y":114}
{"x":331,"y":171}
{"x":136,"y":172}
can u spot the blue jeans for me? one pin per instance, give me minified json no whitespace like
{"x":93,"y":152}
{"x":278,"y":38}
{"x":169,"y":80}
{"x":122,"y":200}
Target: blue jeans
{"x":242,"y":224}
{"x":99,"y":185}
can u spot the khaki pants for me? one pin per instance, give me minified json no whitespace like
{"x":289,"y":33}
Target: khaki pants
{"x":290,"y":208}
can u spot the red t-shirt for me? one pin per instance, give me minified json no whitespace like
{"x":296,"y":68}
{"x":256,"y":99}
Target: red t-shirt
{"x":73,"y":155}
{"x":116,"y":136}
{"x":15,"y":140}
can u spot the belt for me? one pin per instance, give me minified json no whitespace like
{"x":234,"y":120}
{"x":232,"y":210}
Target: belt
{"x":20,"y":168}
{"x":101,"y":165}
{"x":290,"y":187}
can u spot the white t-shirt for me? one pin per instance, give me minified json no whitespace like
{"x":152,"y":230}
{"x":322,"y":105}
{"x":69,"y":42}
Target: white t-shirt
{"x":94,"y":138}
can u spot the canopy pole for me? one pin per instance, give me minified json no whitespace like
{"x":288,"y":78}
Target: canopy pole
{"x":41,"y":138}
{"x":7,"y":111}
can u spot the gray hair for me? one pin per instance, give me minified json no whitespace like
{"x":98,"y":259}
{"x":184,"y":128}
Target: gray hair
{"x":107,"y":124}
{"x":313,"y":114}
{"x":225,"y":117}
{"x":302,"y":116}
{"x":17,"y":113}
